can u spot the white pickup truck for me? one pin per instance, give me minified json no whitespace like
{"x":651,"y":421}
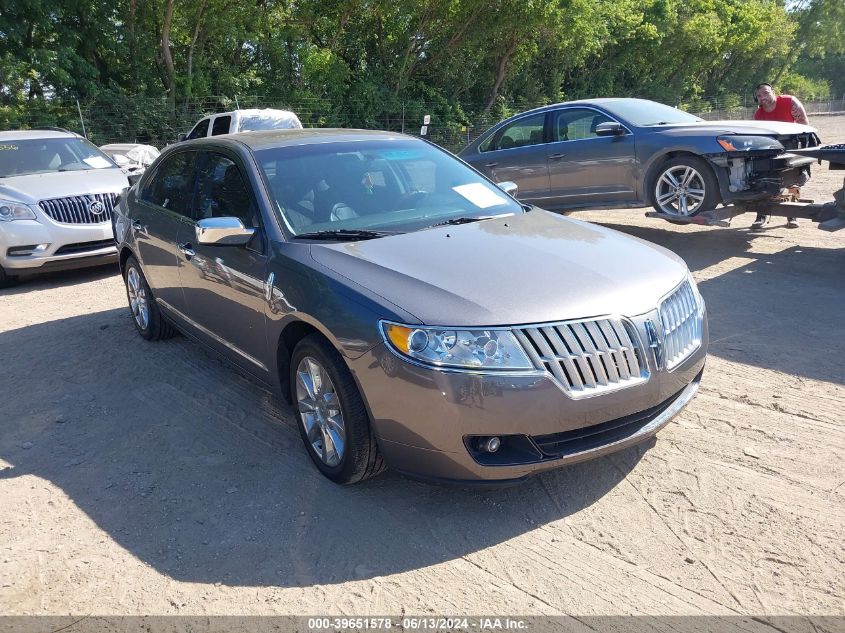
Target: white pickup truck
{"x":243,"y":121}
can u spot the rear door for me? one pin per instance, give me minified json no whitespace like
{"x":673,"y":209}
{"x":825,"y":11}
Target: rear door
{"x":517,"y":153}
{"x":585,"y":167}
{"x":224,"y":286}
{"x":160,"y":212}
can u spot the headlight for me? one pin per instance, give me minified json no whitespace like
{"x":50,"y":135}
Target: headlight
{"x":15,"y":211}
{"x":462,"y":349}
{"x":737,"y":143}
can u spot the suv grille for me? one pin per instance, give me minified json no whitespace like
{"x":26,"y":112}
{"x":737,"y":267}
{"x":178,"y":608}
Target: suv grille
{"x":587,"y":357}
{"x":682,"y":320}
{"x":77,"y":209}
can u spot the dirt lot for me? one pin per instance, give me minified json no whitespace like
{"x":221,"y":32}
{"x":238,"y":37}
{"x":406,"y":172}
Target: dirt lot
{"x":140,"y":478}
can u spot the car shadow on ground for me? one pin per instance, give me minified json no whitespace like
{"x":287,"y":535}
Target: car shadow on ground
{"x":201,"y":474}
{"x":782,"y":311}
{"x":56,"y":279}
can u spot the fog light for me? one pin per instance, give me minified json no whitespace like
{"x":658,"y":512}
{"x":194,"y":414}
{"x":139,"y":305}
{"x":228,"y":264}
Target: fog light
{"x":491,"y":444}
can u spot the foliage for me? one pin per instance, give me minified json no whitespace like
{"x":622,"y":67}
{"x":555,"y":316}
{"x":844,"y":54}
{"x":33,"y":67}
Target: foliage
{"x":375,"y":63}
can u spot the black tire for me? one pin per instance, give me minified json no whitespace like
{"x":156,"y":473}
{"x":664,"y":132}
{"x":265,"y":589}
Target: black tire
{"x":156,"y":328}
{"x":703,"y":177}
{"x":361,"y":456}
{"x":6,"y":280}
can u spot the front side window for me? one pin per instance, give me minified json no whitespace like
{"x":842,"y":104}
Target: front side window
{"x":172,"y":184}
{"x":524,"y":132}
{"x":222,"y":192}
{"x":46,"y":155}
{"x":574,"y":124}
{"x":221,"y":125}
{"x":200,"y":130}
{"x":381,"y":185}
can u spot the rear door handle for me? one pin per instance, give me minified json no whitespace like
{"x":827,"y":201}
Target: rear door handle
{"x":491,"y":164}
{"x":556,"y":156}
{"x":186,"y":249}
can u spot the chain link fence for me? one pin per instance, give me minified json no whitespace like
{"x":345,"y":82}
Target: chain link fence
{"x":149,"y":120}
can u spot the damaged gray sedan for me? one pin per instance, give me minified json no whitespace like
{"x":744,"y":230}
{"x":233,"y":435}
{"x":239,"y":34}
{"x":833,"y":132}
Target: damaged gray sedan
{"x":414,"y":314}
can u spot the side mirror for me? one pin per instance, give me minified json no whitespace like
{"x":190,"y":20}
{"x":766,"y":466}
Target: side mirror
{"x":223,"y":232}
{"x":508,"y":187}
{"x":182,"y":136}
{"x":610,"y":128}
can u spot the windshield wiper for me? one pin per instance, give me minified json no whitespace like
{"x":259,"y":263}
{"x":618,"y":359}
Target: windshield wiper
{"x":342,"y":234}
{"x":467,"y":220}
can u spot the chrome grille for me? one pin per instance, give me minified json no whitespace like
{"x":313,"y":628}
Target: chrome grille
{"x":76,"y":209}
{"x":682,"y":320}
{"x":587,"y":357}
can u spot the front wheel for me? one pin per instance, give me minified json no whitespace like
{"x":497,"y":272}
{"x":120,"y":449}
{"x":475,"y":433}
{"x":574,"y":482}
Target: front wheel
{"x":684,"y":187}
{"x":333,"y":420}
{"x":145,"y":312}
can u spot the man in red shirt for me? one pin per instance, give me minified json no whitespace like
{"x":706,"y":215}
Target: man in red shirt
{"x":771,"y":107}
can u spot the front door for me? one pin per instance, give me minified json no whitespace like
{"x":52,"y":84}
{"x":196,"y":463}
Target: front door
{"x":160,"y":212}
{"x":583,"y":166}
{"x":517,"y":153}
{"x":225,"y":286}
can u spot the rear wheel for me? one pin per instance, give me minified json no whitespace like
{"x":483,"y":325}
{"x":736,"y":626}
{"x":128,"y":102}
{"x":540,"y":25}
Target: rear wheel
{"x":333,"y":421}
{"x":145,"y":312}
{"x":684,"y":187}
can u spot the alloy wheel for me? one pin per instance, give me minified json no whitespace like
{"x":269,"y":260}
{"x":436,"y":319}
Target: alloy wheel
{"x":680,"y":190}
{"x":320,"y":411}
{"x":137,"y":298}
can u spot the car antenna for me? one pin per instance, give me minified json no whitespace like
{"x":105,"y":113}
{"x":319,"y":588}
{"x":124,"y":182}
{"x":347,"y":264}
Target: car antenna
{"x":81,"y":120}
{"x":237,"y":106}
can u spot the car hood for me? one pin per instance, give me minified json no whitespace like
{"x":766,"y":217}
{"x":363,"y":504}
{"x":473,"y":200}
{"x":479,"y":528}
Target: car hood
{"x":34,"y":187}
{"x":769,"y":128}
{"x":532,"y":268}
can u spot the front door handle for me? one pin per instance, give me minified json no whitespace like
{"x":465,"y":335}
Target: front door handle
{"x":186,"y":249}
{"x":491,"y":164}
{"x":556,"y":156}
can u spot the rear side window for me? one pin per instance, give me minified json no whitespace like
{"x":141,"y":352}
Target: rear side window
{"x":172,"y":184}
{"x":221,"y":125}
{"x":526,"y":131}
{"x":200,"y":130}
{"x":222,"y":192}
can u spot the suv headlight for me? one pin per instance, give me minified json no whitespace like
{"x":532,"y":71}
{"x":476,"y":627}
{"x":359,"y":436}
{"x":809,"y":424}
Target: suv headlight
{"x":476,"y":349}
{"x":15,"y":211}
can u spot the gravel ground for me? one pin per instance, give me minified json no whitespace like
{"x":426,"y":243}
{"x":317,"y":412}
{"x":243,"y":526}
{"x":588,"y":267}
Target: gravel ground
{"x":140,"y":478}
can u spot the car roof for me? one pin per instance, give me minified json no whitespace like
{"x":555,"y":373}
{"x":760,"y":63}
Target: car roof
{"x":306,"y":136}
{"x":20,"y":135}
{"x":599,"y":101}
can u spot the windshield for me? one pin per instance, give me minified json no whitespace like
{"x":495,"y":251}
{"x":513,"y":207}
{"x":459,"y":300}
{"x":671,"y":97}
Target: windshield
{"x":382,"y":185}
{"x":278,"y":120}
{"x":644,"y":113}
{"x":46,"y":155}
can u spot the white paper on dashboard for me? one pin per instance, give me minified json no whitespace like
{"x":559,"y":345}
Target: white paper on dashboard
{"x":479,"y":195}
{"x":97,"y":162}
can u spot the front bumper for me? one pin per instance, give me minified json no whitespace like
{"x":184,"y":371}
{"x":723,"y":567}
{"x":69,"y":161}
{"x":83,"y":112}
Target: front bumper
{"x":68,"y":245}
{"x":427,"y":421}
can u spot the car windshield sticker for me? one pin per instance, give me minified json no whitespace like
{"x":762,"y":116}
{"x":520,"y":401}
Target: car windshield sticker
{"x":8,"y":148}
{"x":479,"y":195}
{"x":97,"y":162}
{"x":401,"y":154}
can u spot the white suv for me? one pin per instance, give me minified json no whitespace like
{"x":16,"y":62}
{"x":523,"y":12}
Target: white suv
{"x":251,"y":120}
{"x":57,"y":194}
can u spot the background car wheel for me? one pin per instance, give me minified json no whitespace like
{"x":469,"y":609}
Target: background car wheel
{"x":145,"y":313}
{"x":333,"y":421}
{"x":5,"y":279}
{"x":684,"y":186}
